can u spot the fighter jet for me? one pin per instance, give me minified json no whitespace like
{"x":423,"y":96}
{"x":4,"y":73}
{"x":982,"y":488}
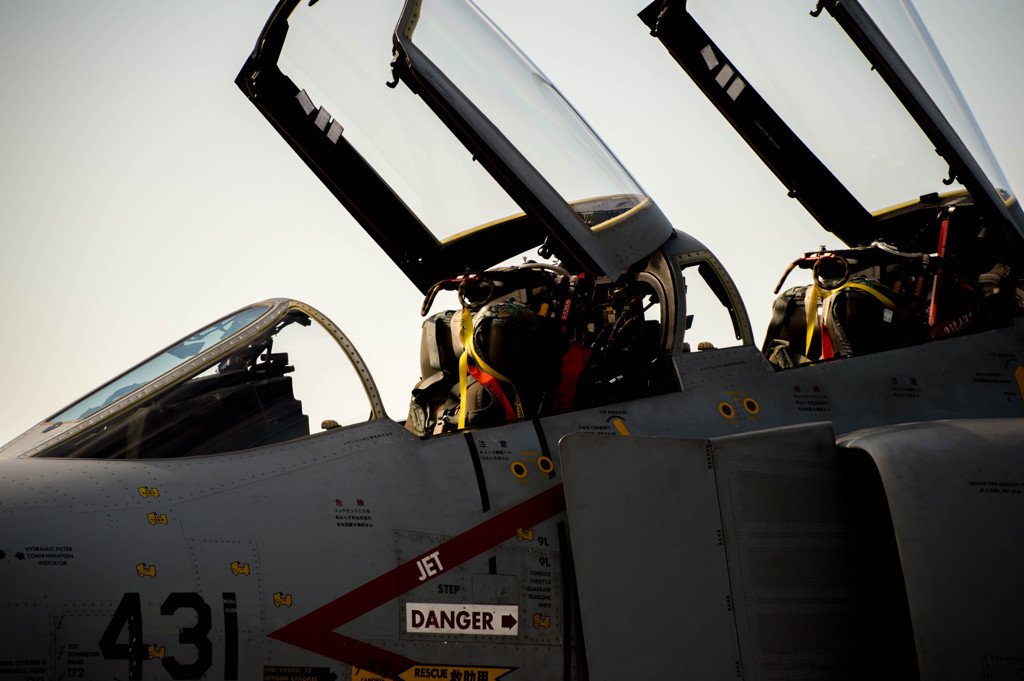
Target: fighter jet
{"x":603,"y":472}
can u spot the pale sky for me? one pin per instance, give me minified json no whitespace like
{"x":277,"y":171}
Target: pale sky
{"x":143,"y":196}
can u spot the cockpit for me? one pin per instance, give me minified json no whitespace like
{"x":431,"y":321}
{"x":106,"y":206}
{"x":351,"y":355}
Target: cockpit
{"x":535,"y":339}
{"x":852,"y":107}
{"x":941,"y":270}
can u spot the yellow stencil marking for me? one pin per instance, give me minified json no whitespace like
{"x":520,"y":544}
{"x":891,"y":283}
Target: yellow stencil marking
{"x":443,"y":671}
{"x":364,"y":675}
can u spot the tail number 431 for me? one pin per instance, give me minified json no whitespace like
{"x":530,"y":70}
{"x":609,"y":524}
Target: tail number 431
{"x":128,"y":616}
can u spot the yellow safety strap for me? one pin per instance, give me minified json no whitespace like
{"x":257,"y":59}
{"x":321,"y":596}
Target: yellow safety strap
{"x":812,"y":305}
{"x":520,"y":412}
{"x":811,"y":310}
{"x":466,"y":336}
{"x":864,"y":287}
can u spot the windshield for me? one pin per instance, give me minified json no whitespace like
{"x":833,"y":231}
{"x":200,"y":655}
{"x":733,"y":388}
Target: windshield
{"x":432,"y":172}
{"x":522,"y":104}
{"x":433,"y":130}
{"x":266,"y":374}
{"x":159,"y":365}
{"x":339,"y":52}
{"x":901,"y":24}
{"x":810,"y":73}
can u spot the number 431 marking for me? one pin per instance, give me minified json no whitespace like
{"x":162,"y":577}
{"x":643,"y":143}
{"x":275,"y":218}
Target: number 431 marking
{"x":129,"y":616}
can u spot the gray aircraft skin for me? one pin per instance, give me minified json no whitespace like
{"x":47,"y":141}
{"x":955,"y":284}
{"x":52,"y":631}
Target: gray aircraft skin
{"x":583,"y":488}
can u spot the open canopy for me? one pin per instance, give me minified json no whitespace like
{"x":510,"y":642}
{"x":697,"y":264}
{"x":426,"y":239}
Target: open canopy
{"x":506,"y":165}
{"x":853,"y":109}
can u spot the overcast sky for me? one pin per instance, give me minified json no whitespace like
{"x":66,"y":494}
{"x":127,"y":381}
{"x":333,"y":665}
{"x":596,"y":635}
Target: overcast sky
{"x":143,"y":196}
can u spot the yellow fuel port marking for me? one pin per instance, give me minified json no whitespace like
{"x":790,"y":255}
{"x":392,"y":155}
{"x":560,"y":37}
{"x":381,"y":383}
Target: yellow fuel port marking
{"x":546,"y":465}
{"x":240,"y":569}
{"x":726,"y":410}
{"x":524,"y":535}
{"x":1018,"y":374}
{"x":519,"y":469}
{"x":541,"y":621}
{"x":156,"y":652}
{"x":146,"y":570}
{"x":148,"y":492}
{"x":155,"y":518}
{"x":750,"y":404}
{"x":282,"y":599}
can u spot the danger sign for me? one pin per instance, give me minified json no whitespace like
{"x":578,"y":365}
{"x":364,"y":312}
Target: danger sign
{"x":468,"y":619}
